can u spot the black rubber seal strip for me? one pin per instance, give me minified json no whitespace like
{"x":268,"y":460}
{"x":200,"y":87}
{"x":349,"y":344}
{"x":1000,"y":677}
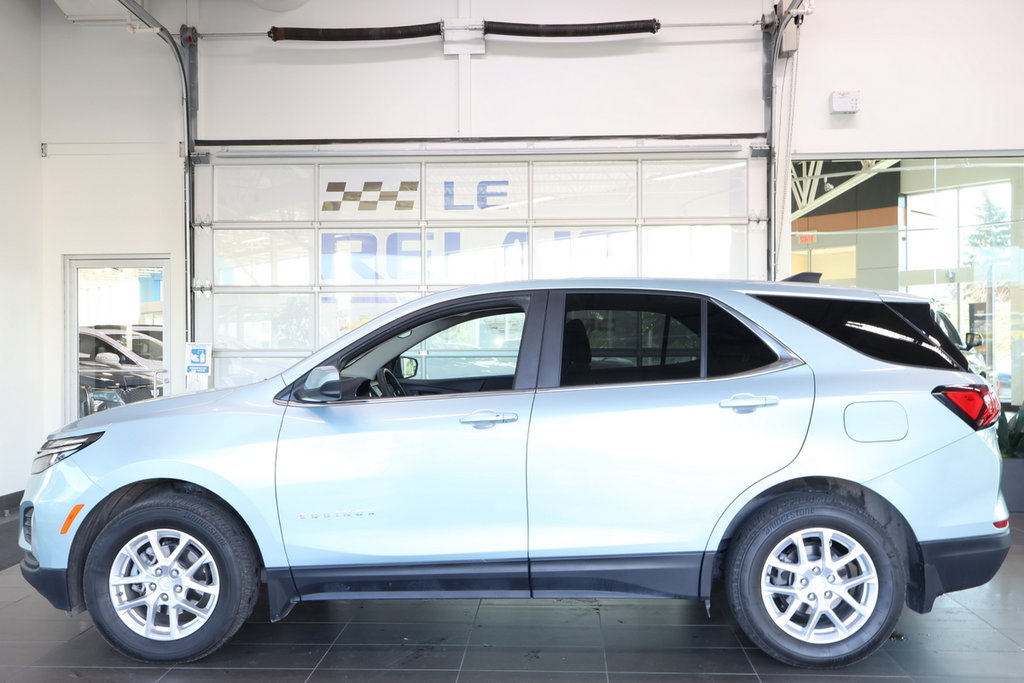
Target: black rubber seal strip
{"x":610,"y":28}
{"x":277,"y":33}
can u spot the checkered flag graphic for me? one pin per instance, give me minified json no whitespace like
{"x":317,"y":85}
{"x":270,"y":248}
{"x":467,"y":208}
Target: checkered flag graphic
{"x":373,"y":194}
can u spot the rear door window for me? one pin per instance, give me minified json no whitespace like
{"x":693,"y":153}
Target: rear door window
{"x":612,"y":338}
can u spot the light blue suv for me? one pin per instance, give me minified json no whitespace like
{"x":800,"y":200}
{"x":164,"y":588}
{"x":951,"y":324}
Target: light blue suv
{"x":823,"y":452}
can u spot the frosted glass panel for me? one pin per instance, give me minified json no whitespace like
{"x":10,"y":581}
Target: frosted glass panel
{"x":370,"y":192}
{"x":480,"y":192}
{"x":343,"y":311}
{"x":695,"y":251}
{"x":472,"y":255}
{"x":234,"y":372}
{"x":263,"y":257}
{"x":263,"y":193}
{"x":263,"y":321}
{"x":607,"y":252}
{"x":692,"y":189}
{"x":366,"y":256}
{"x":575,"y":190}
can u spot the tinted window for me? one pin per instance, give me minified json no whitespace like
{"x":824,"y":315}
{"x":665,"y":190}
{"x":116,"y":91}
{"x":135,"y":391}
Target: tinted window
{"x":615,"y":338}
{"x":896,"y":333}
{"x":732,"y":346}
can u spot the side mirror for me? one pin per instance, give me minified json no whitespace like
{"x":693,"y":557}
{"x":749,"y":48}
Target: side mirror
{"x":973,"y":339}
{"x":108,"y":359}
{"x":408,"y":367}
{"x":323,"y":383}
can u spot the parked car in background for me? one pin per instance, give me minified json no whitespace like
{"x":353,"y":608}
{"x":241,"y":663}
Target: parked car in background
{"x":132,"y":349}
{"x":116,"y":368}
{"x":1003,"y":386}
{"x":968,"y":344}
{"x":825,"y":454}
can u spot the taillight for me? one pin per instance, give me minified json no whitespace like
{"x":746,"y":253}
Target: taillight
{"x":976,"y":404}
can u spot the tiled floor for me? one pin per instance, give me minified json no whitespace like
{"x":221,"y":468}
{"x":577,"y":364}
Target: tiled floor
{"x":970,"y":636}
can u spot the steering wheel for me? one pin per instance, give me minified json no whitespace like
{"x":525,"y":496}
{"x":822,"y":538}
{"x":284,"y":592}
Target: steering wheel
{"x":388,"y":383}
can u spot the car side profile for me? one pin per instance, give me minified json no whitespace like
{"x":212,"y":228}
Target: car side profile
{"x":823,"y":453}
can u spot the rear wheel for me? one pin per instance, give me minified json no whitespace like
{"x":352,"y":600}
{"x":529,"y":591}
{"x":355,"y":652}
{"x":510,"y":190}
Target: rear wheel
{"x":815,"y":581}
{"x":170,"y":579}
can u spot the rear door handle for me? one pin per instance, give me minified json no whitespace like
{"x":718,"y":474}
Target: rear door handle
{"x":482,"y":419}
{"x":748,"y":403}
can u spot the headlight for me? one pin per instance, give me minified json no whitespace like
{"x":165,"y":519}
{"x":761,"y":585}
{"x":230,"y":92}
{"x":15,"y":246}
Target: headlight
{"x":55,"y":450}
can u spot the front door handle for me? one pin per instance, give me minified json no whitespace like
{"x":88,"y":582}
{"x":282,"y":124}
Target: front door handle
{"x":748,"y":403}
{"x":483,"y":419}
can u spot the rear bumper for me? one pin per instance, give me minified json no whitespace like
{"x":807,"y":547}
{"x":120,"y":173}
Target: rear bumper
{"x":954,"y":565}
{"x":52,"y":584}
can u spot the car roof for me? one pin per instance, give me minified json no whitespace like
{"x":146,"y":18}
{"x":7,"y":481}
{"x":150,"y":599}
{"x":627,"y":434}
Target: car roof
{"x":710,"y":287}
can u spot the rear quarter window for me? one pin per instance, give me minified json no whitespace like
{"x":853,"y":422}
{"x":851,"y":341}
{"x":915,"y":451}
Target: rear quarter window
{"x":902,"y":333}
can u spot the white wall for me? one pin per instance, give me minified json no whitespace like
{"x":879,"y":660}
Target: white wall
{"x":934,"y":76}
{"x":112,"y":179}
{"x":21,"y":235}
{"x":676,"y":81}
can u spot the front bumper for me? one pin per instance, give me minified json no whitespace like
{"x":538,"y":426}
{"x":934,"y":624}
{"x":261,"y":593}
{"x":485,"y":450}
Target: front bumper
{"x":954,"y":565}
{"x":52,"y":584}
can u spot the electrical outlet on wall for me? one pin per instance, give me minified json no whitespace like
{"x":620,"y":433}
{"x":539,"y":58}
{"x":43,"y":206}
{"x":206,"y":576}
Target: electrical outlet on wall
{"x":844,"y":101}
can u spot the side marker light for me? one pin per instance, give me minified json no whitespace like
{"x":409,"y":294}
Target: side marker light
{"x":71,"y":518}
{"x":1001,"y":525}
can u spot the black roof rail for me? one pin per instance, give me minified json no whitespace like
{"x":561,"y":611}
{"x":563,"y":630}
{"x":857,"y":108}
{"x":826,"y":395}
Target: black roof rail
{"x":806,"y":276}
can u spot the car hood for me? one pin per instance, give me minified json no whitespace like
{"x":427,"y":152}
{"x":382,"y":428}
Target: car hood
{"x":164,"y":407}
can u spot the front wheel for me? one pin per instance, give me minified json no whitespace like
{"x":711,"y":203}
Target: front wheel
{"x":170,"y":579}
{"x":815,"y":581}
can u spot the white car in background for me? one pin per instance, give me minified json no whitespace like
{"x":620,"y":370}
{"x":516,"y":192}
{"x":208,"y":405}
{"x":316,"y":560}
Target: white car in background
{"x":117,"y":367}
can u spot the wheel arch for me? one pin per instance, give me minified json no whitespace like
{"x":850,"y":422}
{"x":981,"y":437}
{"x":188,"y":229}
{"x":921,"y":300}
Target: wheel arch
{"x":876,"y":505}
{"x":123,"y":498}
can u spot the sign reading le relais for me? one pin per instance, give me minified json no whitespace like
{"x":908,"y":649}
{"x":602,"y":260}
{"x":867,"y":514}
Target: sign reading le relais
{"x":372,"y":193}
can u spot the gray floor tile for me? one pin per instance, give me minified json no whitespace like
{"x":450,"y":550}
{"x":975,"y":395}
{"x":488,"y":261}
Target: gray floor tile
{"x":437,"y":633}
{"x":531,"y":677}
{"x":539,"y":658}
{"x":679,"y":660}
{"x":670,"y":636}
{"x":967,"y":666}
{"x":196,"y":675}
{"x":263,"y":656}
{"x":393,"y":657}
{"x":562,"y":636}
{"x":529,"y":616}
{"x":682,"y":678}
{"x":288,"y":633}
{"x":44,"y":674}
{"x":383,"y":676}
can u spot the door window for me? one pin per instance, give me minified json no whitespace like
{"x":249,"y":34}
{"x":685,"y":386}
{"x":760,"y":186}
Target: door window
{"x":623,"y":338}
{"x":476,"y":350}
{"x":487,"y":345}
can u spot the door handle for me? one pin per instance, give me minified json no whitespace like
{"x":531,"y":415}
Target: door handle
{"x":483,"y":419}
{"x":748,"y":403}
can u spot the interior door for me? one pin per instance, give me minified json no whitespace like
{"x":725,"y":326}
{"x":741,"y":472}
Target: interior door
{"x":117,"y":315}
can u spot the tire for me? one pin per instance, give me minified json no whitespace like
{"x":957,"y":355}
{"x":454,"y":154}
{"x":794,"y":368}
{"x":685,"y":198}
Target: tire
{"x":187,"y":604}
{"x":782,"y":589}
